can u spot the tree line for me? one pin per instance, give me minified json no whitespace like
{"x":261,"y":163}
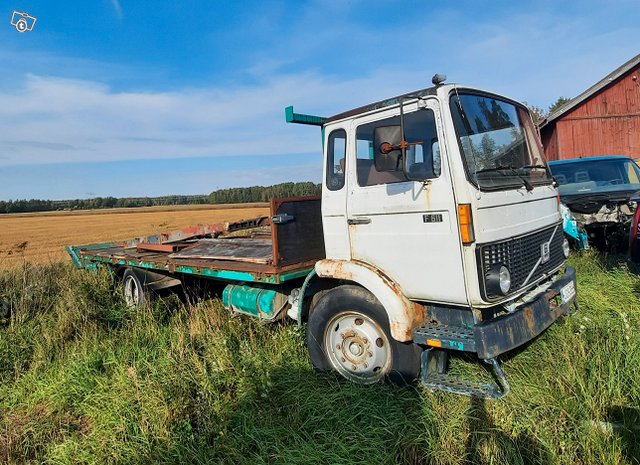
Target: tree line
{"x":38,"y":205}
{"x":233,"y":195}
{"x":539,"y":114}
{"x":264,"y":193}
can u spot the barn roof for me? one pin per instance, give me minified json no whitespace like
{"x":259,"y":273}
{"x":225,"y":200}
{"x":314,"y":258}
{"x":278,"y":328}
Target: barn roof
{"x":598,"y":86}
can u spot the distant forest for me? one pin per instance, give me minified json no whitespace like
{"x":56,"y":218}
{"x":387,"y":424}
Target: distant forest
{"x":264,"y":194}
{"x":233,"y":195}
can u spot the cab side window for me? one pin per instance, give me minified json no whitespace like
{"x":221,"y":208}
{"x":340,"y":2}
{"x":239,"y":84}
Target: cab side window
{"x":336,"y":154}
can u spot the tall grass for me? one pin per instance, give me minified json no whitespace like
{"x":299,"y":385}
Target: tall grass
{"x":84,"y":379}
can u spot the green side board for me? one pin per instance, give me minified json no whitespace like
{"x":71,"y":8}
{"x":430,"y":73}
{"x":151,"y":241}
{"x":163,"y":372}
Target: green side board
{"x":91,"y":263}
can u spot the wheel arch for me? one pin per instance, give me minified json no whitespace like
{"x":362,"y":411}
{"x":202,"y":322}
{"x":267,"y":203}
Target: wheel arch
{"x":118,"y":272}
{"x":152,"y":280}
{"x":404,"y":315}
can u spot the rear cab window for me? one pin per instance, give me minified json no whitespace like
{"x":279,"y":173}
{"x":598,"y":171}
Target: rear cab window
{"x":336,"y":159}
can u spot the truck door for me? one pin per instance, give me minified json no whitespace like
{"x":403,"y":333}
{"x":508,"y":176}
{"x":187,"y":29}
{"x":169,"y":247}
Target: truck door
{"x":406,"y":229}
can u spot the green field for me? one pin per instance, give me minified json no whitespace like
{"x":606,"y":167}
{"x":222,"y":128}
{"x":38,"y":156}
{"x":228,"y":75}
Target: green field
{"x":84,"y":379}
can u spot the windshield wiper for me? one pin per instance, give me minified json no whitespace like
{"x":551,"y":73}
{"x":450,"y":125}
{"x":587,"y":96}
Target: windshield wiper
{"x":532,"y":167}
{"x":512,"y":170}
{"x":495,"y":168}
{"x":548,"y":175}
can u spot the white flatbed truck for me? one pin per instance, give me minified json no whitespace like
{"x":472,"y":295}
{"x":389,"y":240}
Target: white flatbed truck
{"x":438,"y":231}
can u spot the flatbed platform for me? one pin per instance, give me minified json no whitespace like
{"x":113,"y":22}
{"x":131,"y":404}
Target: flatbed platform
{"x":283,"y":247}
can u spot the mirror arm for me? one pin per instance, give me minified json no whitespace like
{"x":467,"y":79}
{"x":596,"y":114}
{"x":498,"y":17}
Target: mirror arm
{"x":403,"y":145}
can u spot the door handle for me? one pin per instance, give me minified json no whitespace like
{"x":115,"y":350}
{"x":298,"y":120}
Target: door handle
{"x":360,"y":220}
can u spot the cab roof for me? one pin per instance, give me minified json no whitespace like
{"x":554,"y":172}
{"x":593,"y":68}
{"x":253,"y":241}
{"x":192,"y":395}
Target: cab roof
{"x":429,"y":91}
{"x":442,"y":89}
{"x":382,"y":103}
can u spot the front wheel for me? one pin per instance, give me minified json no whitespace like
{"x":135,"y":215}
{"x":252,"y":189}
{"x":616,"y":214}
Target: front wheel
{"x":348,"y":332}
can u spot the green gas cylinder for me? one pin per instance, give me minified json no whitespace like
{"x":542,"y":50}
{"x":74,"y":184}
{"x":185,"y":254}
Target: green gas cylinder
{"x":262,"y":302}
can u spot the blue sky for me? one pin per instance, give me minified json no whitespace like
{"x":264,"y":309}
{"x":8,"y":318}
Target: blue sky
{"x":131,"y":98}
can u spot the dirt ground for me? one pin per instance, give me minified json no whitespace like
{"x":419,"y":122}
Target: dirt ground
{"x":42,"y":237}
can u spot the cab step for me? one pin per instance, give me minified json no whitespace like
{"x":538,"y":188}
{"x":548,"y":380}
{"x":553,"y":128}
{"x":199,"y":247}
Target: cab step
{"x":433,"y":377}
{"x":445,"y":337}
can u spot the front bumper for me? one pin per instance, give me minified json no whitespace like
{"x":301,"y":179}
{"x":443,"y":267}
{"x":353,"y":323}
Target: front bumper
{"x":506,"y":332}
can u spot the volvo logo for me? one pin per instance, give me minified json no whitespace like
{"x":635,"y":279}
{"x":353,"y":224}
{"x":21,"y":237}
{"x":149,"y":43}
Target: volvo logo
{"x":544,"y":252}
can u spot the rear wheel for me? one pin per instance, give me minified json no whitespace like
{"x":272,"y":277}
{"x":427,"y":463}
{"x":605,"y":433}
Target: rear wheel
{"x":134,"y":291}
{"x":348,"y":332}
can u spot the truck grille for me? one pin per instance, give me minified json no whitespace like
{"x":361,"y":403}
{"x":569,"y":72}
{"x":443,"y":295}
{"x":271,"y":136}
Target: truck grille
{"x":521,"y":255}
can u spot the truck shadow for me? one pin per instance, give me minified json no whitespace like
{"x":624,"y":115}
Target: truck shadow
{"x":485,"y":439}
{"x":613,"y":261}
{"x":625,"y":424}
{"x":298,"y":416}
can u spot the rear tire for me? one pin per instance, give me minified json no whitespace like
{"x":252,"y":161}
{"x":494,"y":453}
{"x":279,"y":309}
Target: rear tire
{"x":348,"y":332}
{"x":134,"y":291}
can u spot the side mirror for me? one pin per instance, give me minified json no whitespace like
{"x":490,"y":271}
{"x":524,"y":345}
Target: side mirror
{"x":386,"y":156}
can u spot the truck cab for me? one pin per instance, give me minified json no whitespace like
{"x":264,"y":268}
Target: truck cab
{"x":437,"y":207}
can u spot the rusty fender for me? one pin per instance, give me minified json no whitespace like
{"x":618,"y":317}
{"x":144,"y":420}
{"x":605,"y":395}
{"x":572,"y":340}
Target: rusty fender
{"x":403,"y":314}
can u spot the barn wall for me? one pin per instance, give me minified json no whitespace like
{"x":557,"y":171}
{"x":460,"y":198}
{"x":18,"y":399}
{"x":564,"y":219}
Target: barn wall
{"x":608,"y":123}
{"x":550,"y":143}
{"x":616,"y":135}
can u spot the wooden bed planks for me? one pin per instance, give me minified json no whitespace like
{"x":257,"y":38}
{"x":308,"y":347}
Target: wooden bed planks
{"x":250,"y":250}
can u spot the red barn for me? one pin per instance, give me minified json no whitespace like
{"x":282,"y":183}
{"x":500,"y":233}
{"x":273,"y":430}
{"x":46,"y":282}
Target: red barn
{"x":603,"y":120}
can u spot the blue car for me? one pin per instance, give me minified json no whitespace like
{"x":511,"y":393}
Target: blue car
{"x":601,"y":194}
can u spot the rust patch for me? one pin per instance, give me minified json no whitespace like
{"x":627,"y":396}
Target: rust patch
{"x":427,"y":193}
{"x":415,"y":318}
{"x":340,"y":271}
{"x":169,"y":248}
{"x":550,"y":294}
{"x":413,"y":313}
{"x":420,"y":312}
{"x":511,"y":336}
{"x":279,"y":201}
{"x":401,"y":329}
{"x":527,"y":313}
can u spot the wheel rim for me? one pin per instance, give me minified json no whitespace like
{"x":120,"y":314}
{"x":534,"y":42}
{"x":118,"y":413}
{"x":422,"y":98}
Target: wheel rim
{"x":357,"y":347}
{"x":131,"y":291}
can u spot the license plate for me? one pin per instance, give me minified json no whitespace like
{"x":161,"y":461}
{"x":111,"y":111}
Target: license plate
{"x":568,"y":292}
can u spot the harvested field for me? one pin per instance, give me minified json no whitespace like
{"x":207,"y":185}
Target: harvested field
{"x":42,"y":237}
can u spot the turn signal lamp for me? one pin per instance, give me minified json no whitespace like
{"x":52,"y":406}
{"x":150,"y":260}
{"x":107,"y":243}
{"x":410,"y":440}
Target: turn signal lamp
{"x":466,"y":223}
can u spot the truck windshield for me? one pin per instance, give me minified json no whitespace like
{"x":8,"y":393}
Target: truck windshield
{"x":498,"y":143}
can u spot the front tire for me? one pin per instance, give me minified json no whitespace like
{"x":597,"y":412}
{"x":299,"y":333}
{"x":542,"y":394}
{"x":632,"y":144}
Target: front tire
{"x":348,"y":332}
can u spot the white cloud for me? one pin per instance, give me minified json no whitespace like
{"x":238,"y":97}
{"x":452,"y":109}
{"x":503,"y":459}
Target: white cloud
{"x":52,"y":120}
{"x":533,"y":55}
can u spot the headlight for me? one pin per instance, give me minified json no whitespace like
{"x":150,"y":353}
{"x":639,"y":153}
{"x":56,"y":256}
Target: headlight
{"x":566,"y":248}
{"x":498,"y":280}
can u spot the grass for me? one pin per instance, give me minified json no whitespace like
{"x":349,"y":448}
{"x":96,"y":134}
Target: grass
{"x":84,"y":379}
